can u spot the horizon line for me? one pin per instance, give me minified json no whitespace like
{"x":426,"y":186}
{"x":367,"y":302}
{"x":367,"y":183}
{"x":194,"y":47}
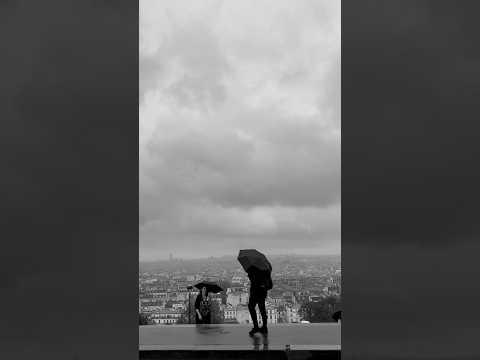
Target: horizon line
{"x":227,"y":255}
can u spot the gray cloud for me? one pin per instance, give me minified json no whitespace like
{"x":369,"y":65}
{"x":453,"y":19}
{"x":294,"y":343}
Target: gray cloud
{"x":239,"y":126}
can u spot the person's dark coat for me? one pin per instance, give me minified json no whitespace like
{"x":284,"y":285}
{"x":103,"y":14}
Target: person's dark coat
{"x":204,"y":306}
{"x":260,"y":280}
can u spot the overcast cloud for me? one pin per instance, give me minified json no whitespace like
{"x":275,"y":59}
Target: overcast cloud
{"x":239,"y":127}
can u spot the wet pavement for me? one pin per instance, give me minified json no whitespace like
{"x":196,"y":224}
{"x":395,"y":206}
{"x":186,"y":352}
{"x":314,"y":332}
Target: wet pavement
{"x":325,"y":336}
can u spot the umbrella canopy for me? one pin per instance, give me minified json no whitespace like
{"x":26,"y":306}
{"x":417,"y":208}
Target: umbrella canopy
{"x":210,"y":286}
{"x":252,"y":258}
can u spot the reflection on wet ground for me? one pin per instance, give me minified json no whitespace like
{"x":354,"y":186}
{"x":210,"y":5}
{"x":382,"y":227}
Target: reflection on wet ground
{"x":210,"y":329}
{"x":232,"y":336}
{"x":260,"y":342}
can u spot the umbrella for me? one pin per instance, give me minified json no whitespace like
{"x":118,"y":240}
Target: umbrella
{"x":211,"y":286}
{"x":251,"y":258}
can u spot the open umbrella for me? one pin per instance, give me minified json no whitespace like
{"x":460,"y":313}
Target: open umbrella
{"x":252,"y":258}
{"x":210,"y":286}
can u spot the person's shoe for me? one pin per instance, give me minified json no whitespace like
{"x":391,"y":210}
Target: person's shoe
{"x":253,"y":331}
{"x":264,"y":330}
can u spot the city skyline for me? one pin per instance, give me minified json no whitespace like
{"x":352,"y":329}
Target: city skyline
{"x":239,"y":134}
{"x":233,"y":256}
{"x":306,"y":288}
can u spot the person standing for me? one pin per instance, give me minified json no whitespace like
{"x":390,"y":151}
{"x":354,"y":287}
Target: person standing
{"x":260,"y":283}
{"x":202,"y":307}
{"x":259,"y":272}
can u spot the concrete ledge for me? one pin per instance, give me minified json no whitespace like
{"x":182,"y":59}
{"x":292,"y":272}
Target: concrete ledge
{"x":241,"y":354}
{"x":231,"y":341}
{"x":239,"y":347}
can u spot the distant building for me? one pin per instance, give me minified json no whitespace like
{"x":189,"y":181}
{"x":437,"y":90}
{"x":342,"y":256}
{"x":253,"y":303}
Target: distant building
{"x":179,"y":306}
{"x":237,"y":298}
{"x":292,"y":315}
{"x":336,"y":282}
{"x":277,"y":301}
{"x":289,"y":296}
{"x":166,"y":316}
{"x":238,"y":288}
{"x":180,"y":296}
{"x":160,"y":295}
{"x":230,"y":312}
{"x":237,"y":280}
{"x":243,"y":315}
{"x":272,"y":315}
{"x":151,"y":309}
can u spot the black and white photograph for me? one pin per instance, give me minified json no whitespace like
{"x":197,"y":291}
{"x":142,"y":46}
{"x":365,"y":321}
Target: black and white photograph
{"x":239,"y":175}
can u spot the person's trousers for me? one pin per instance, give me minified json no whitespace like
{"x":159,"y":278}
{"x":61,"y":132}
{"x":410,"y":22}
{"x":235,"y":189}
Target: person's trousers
{"x":257,"y":296}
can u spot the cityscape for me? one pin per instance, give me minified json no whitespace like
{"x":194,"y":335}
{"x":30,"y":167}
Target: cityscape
{"x":306,"y":289}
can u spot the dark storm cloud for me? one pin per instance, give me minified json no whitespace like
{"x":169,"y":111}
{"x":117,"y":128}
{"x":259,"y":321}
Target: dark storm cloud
{"x":294,"y":166}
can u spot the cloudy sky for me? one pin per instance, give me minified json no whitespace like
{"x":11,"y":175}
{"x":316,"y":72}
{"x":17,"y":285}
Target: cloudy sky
{"x":239,"y":127}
